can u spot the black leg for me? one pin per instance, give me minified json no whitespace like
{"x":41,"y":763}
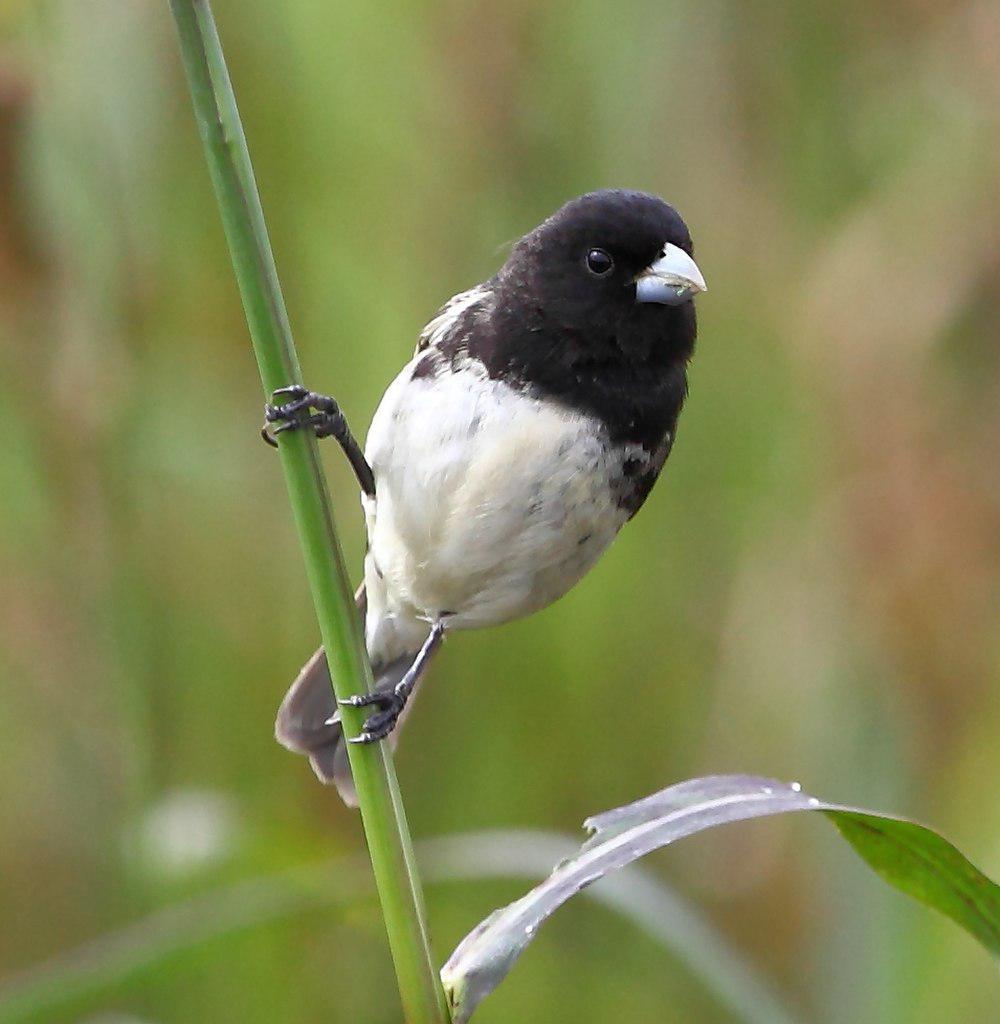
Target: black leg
{"x":326,"y":421}
{"x":391,"y":703}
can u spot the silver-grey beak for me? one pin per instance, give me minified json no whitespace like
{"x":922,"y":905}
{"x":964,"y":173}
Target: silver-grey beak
{"x":671,"y":279}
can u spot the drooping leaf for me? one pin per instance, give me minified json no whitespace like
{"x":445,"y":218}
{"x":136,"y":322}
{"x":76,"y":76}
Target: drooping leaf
{"x":909,"y":856}
{"x":924,"y":865}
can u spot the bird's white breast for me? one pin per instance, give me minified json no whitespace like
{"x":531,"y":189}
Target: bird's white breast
{"x":489,"y":503}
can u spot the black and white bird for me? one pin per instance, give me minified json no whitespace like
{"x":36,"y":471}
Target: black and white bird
{"x":527,"y":429}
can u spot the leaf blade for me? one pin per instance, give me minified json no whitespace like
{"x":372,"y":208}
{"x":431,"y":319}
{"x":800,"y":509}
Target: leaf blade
{"x":909,"y":856}
{"x":924,"y":865}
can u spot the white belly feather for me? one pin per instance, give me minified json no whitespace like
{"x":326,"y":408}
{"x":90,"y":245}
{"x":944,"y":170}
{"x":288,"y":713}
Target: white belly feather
{"x":489,"y":505}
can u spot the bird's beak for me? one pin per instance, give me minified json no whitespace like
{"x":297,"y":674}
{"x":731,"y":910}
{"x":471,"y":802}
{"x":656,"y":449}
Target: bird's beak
{"x":672,"y":279}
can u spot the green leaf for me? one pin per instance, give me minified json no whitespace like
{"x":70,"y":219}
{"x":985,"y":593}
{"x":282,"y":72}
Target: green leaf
{"x":919,"y":862}
{"x":909,"y":856}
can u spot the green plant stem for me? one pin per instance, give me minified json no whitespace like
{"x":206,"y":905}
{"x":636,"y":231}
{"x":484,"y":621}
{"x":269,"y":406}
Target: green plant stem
{"x":378,"y":793}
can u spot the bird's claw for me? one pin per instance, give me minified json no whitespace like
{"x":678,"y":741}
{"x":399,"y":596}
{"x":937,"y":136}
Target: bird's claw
{"x":294,"y":391}
{"x":364,"y":700}
{"x":380,"y":724}
{"x":327,"y":421}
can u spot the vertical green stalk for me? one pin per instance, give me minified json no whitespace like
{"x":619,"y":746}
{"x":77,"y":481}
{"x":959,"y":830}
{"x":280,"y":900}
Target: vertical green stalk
{"x":378,"y":794}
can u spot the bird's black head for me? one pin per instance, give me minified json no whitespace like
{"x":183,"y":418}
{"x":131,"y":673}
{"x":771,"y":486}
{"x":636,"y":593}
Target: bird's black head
{"x":610,"y":270}
{"x":594,"y":309}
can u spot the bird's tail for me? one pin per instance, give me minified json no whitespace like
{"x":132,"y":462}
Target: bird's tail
{"x":308,"y":720}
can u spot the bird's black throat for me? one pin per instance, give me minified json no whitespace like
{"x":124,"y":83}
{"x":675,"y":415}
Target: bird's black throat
{"x":631,"y":375}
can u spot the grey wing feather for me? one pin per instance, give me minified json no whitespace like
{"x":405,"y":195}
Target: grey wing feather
{"x":308,"y":720}
{"x":448,"y":315}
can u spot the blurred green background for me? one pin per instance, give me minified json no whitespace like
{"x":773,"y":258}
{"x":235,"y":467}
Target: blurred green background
{"x":812,"y":591}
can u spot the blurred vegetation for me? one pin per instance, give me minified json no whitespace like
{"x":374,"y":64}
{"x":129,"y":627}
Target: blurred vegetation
{"x":811,"y":593}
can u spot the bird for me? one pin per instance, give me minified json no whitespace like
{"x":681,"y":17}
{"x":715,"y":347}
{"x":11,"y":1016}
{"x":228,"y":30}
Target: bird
{"x":529,"y":426}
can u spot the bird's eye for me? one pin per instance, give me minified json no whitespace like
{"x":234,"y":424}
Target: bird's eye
{"x":599,"y":262}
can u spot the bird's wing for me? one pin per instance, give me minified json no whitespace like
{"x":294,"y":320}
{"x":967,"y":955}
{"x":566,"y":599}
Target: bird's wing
{"x":448,"y":315}
{"x":308,"y":720}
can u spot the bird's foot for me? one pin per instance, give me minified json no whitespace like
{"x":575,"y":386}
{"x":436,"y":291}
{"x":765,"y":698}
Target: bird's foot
{"x":391,"y":702}
{"x":377,"y":726}
{"x":326,"y":421}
